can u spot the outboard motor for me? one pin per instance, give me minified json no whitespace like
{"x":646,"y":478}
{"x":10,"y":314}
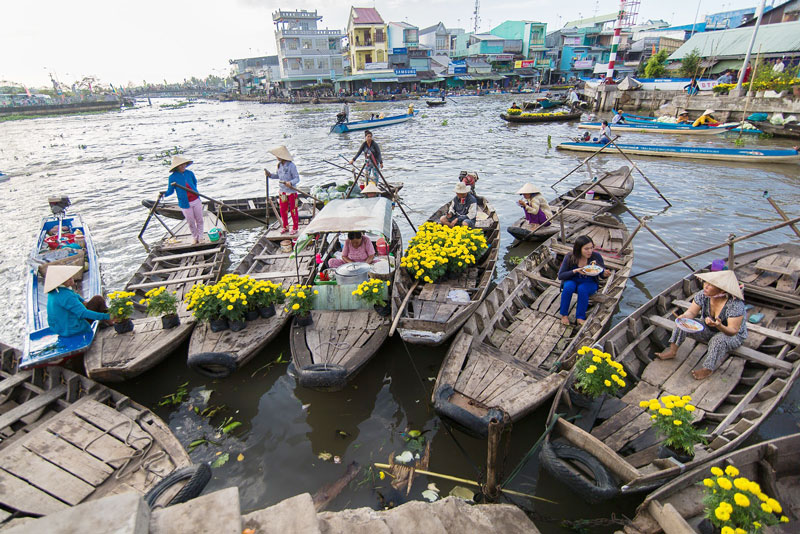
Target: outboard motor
{"x":59,"y":205}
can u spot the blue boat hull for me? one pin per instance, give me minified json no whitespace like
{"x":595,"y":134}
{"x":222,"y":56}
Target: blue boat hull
{"x":661,"y":127}
{"x":42,"y":346}
{"x":693,"y":152}
{"x":344,"y":127}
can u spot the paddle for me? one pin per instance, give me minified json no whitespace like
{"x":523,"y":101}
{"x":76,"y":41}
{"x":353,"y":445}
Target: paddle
{"x":237,"y":210}
{"x":389,"y":188}
{"x":149,"y":216}
{"x":402,"y":307}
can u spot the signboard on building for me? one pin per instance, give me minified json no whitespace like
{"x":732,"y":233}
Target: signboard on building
{"x":501,"y":57}
{"x":525,"y":63}
{"x":399,"y":51}
{"x":405,"y":72}
{"x":573,"y":41}
{"x":584,"y":64}
{"x":376,"y":66}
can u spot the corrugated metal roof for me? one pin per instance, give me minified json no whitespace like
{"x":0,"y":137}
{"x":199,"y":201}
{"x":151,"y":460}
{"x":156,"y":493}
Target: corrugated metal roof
{"x":366,"y":15}
{"x":771,"y":38}
{"x":591,"y":21}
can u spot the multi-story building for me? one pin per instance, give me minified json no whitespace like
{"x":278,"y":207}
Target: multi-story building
{"x":256,"y":73}
{"x":405,"y":55}
{"x":531,"y":33}
{"x":437,"y":38}
{"x":306,"y":53}
{"x":367,"y":41}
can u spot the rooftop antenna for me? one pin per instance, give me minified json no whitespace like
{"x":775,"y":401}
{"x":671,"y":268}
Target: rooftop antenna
{"x":476,"y":14}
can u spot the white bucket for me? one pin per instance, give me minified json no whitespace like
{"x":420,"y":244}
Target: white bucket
{"x":589,"y":195}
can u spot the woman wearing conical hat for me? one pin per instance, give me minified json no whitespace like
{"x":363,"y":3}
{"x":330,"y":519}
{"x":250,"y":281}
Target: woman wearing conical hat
{"x":537,"y":210}
{"x":288,"y":177}
{"x":188,"y":201}
{"x":720,"y":308}
{"x":67,"y":315}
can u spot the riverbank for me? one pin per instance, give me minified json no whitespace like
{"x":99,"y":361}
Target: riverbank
{"x":24,"y":112}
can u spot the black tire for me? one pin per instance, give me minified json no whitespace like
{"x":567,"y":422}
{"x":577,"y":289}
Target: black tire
{"x":323,"y":376}
{"x":602,"y":488}
{"x":197,"y":475}
{"x":212,"y":364}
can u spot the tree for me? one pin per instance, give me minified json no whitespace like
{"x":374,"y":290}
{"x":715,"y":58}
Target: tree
{"x":655,"y":67}
{"x":690,"y":66}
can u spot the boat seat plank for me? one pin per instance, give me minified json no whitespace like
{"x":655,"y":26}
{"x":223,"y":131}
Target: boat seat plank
{"x":68,"y":457}
{"x":48,"y":477}
{"x":31,"y":406}
{"x":170,"y":282}
{"x":452,"y":366}
{"x":91,"y":439}
{"x":281,"y":256}
{"x":113,"y":422}
{"x":9,"y":383}
{"x":771,"y":266}
{"x":19,"y":495}
{"x":169,"y":257}
{"x":178,"y":269}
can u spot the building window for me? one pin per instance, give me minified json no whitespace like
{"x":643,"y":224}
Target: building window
{"x":337,"y":63}
{"x":307,"y":44}
{"x":440,"y":43}
{"x":321,"y":44}
{"x":322,"y":63}
{"x":333,"y":44}
{"x":292,"y":44}
{"x":379,"y":37}
{"x":308,"y":64}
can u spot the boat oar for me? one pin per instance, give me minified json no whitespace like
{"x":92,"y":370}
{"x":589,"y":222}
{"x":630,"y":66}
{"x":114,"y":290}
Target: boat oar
{"x":315,"y":199}
{"x":237,"y":210}
{"x":270,"y":203}
{"x":581,"y":164}
{"x":151,"y":215}
{"x":402,"y":307}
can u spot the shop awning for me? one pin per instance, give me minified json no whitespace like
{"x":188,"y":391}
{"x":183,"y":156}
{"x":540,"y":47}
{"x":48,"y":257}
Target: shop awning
{"x":434,"y":80}
{"x":479,"y":77}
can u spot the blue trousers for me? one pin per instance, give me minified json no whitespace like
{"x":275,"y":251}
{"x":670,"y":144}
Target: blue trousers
{"x":585,"y":288}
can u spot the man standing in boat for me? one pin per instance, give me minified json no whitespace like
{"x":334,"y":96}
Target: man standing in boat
{"x":372,"y":153}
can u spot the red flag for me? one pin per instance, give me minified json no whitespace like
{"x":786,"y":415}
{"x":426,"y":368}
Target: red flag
{"x":654,"y":49}
{"x":27,"y":92}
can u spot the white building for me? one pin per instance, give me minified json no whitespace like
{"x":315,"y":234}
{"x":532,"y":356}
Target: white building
{"x":306,"y":54}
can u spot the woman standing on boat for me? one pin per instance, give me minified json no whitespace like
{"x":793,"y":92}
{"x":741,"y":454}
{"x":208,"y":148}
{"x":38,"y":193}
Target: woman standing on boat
{"x":288,"y":177}
{"x":188,"y":201}
{"x":537,"y":210}
{"x":720,"y":306}
{"x":372,"y":153}
{"x":576,"y":279}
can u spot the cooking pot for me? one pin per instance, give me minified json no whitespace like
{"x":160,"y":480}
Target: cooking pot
{"x":352,"y":273}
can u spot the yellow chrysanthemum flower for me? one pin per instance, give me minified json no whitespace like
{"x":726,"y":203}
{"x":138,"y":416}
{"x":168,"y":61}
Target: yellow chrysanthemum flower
{"x":677,"y":422}
{"x":716,"y":471}
{"x":775,"y":505}
{"x":731,"y":471}
{"x":707,"y":482}
{"x":741,"y":500}
{"x":724,"y":483}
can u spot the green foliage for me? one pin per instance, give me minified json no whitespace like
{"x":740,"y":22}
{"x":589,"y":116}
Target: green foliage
{"x":175,"y":398}
{"x":690,"y":66}
{"x":655,"y":67}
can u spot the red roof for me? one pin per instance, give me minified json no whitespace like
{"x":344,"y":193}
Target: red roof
{"x":366,"y":15}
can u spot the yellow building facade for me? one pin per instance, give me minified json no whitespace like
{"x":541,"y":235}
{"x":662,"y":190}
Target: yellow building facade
{"x":368,"y":41}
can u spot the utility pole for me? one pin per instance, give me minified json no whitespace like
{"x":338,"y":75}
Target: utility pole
{"x":476,"y":14}
{"x":615,"y":43}
{"x":749,"y":50}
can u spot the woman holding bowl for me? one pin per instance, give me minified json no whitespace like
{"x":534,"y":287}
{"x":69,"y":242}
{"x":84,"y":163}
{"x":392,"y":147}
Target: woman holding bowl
{"x":578,"y":274}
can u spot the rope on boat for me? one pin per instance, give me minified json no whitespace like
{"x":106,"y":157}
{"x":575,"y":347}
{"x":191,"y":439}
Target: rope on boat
{"x":532,"y":450}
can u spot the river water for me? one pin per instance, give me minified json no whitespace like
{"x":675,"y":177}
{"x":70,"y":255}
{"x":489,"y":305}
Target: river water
{"x":108,"y":163}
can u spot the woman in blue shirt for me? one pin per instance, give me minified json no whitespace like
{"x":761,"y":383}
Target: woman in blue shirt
{"x":575,"y":278}
{"x":288,"y":177}
{"x":67,"y":315}
{"x":188,"y":201}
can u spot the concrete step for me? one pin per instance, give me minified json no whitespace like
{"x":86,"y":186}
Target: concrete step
{"x":458,"y":516}
{"x":413,"y":517}
{"x":215,"y":513}
{"x":356,"y":521}
{"x":508,"y":519}
{"x":296,"y":514}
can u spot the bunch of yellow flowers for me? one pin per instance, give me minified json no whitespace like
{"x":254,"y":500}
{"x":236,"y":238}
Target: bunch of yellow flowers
{"x":374,"y":291}
{"x":597,"y":373}
{"x":553,"y":114}
{"x":513,"y":111}
{"x":226,"y":299}
{"x":672,"y":416}
{"x":265,"y":293}
{"x":751,"y":508}
{"x":299,"y":299}
{"x":120,"y":305}
{"x":159,"y":301}
{"x":437,"y":249}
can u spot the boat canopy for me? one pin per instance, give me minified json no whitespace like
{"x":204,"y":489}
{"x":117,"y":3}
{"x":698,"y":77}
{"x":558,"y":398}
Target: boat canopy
{"x":373,"y":215}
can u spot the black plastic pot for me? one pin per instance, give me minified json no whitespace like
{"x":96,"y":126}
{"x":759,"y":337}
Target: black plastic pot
{"x":252,"y":315}
{"x":579,"y":399}
{"x":218,"y":325}
{"x":236,"y":326}
{"x":170,"y":321}
{"x":303,"y":320}
{"x":124,"y":326}
{"x":383,"y":311}
{"x":267,"y":312}
{"x":668,"y":452}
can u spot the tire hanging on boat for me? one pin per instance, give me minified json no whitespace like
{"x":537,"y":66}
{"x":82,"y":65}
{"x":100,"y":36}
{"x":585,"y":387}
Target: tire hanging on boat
{"x":212,"y":364}
{"x":197,"y":476}
{"x":553,"y":456}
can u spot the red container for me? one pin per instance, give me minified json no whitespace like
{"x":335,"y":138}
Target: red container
{"x":380,"y":246}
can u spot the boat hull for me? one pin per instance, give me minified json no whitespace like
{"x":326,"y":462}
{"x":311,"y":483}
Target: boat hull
{"x":545,"y":118}
{"x":369,"y":124}
{"x":690,"y":152}
{"x":660,"y":127}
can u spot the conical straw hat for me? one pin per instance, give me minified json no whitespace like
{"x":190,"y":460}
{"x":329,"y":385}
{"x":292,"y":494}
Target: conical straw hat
{"x":281,"y":152}
{"x":528,"y":188}
{"x":58,"y":274}
{"x":708,"y":112}
{"x":724,"y":280}
{"x":370,"y":188}
{"x":177,"y":161}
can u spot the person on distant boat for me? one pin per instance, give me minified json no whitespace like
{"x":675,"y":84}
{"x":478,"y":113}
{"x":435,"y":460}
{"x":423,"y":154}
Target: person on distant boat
{"x":188,"y":201}
{"x":537,"y":210}
{"x":720,"y":307}
{"x":344,"y":115}
{"x":411,"y":109}
{"x":692,"y":88}
{"x":706,"y":119}
{"x":618,"y":118}
{"x":585,"y":138}
{"x":683,"y":117}
{"x":470,"y":179}
{"x":288,"y":177}
{"x":444,"y":94}
{"x":372,"y":154}
{"x":67,"y":315}
{"x":357,"y":248}
{"x":575,"y":279}
{"x":462,"y":210}
{"x":605,"y":133}
{"x":514,"y":107}
{"x":371,"y":191}
{"x":574,"y":99}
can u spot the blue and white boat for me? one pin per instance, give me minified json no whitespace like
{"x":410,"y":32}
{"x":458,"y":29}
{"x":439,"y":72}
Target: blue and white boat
{"x":639,"y":119}
{"x":663,"y":127}
{"x":343,"y":127}
{"x":42,"y":346}
{"x":693,"y":152}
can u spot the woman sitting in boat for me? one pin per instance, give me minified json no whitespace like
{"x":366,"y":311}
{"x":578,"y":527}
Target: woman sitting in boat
{"x":462,"y":210}
{"x":411,"y":109}
{"x":537,"y":210}
{"x":188,"y":201}
{"x":605,"y":133}
{"x":576,"y":279}
{"x":683,"y":117}
{"x":618,"y":118}
{"x":720,"y":307}
{"x":371,"y":191}
{"x":67,"y":315}
{"x":288,"y":177}
{"x":357,"y":248}
{"x":706,"y":119}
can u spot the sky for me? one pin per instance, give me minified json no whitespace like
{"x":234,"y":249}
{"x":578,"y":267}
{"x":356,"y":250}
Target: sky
{"x":156,"y":40}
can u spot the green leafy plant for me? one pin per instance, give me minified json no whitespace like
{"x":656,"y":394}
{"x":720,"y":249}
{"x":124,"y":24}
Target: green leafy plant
{"x":178,"y":397}
{"x":655,"y":67}
{"x":690,"y":65}
{"x":672,"y":417}
{"x":120,"y":305}
{"x":596,"y":373}
{"x":264,"y":293}
{"x":372,"y":291}
{"x":159,"y":301}
{"x":444,"y":122}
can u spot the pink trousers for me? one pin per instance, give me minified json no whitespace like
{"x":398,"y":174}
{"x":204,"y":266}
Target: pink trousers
{"x":194,"y":217}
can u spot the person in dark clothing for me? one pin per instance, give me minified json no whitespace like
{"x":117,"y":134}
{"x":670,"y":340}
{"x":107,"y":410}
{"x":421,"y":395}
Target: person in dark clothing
{"x":575,"y":277}
{"x":462,"y":210}
{"x":372,"y":153}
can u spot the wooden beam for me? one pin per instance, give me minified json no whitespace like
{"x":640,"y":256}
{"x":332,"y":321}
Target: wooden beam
{"x":174,"y":281}
{"x":187,"y":254}
{"x":181,"y":268}
{"x":583,"y":440}
{"x":28,"y":407}
{"x":281,"y":256}
{"x":281,"y":274}
{"x":669,"y":519}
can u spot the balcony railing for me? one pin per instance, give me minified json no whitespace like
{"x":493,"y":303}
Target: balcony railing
{"x":329,"y":33}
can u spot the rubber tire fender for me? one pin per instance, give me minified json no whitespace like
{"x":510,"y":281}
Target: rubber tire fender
{"x":212,"y":364}
{"x":322,"y":375}
{"x":197,"y":475}
{"x":552,"y":458}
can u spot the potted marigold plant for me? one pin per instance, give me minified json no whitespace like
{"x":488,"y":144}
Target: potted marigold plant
{"x":264,"y":295}
{"x":161,"y":302}
{"x":672,"y":417}
{"x":596,"y":374}
{"x":737,"y":505}
{"x":299,"y":302}
{"x":120,"y":308}
{"x":372,"y":292}
{"x":202,"y":301}
{"x":233,"y":300}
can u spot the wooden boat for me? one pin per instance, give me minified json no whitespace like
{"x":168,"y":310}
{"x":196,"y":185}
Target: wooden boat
{"x":345,"y":332}
{"x":176,"y":264}
{"x":253,"y":206}
{"x":663,"y":127}
{"x":42,"y":346}
{"x":218,"y":354}
{"x":678,"y":505}
{"x":614,"y":436}
{"x":65,"y":439}
{"x":790,"y":130}
{"x":435,"y":103}
{"x":544,"y":103}
{"x":434,"y":311}
{"x":344,"y":127}
{"x":541,"y":117}
{"x":695,"y":152}
{"x":618,"y":182}
{"x":509,"y":357}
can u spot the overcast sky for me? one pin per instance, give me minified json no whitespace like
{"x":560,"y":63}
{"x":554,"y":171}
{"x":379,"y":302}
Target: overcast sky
{"x":154,"y":40}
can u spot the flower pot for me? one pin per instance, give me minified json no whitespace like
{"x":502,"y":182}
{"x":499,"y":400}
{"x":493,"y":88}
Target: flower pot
{"x":303,"y":320}
{"x":580,"y":399}
{"x":170,"y":321}
{"x":669,"y":452}
{"x":236,"y":326}
{"x":707,"y":527}
{"x":252,"y":315}
{"x":796,"y":91}
{"x":383,"y":311}
{"x":125,"y":326}
{"x":267,"y":312}
{"x":218,"y":325}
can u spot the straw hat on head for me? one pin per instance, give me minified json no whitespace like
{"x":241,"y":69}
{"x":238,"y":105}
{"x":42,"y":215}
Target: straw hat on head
{"x":370,"y":188}
{"x":281,"y":152}
{"x":724,"y":280}
{"x":683,"y":112}
{"x":708,"y":112}
{"x":528,"y":188}
{"x":461,"y":188}
{"x":58,"y":274}
{"x":177,"y":161}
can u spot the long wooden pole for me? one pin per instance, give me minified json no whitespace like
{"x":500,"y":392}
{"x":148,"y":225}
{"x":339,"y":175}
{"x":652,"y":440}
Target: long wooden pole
{"x":491,"y":490}
{"x":646,"y":179}
{"x":262,"y":221}
{"x":402,"y":307}
{"x":150,"y":215}
{"x":266,"y":203}
{"x":780,"y":212}
{"x":394,"y":194}
{"x":721,"y":245}
{"x":581,"y":164}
